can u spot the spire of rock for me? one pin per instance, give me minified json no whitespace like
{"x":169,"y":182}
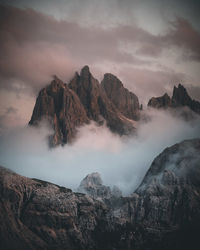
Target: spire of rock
{"x":92,"y":185}
{"x":57,"y":104}
{"x":67,"y":106}
{"x":160,"y":102}
{"x":180,"y":98}
{"x":125,"y":101}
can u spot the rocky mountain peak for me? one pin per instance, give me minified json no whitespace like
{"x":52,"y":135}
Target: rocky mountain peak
{"x":160,"y":102}
{"x":92,"y":185}
{"x":91,"y":180}
{"x":85,"y":71}
{"x":124,"y":100}
{"x":111,"y":81}
{"x":180,"y":98}
{"x":68,"y":106}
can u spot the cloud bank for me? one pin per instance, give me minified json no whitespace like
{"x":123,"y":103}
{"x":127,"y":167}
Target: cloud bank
{"x":120,"y":161}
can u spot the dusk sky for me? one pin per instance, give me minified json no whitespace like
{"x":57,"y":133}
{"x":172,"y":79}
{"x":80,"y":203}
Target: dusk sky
{"x":151,"y":45}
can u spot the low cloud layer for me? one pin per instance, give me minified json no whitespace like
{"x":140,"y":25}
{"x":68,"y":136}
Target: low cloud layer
{"x":120,"y":161}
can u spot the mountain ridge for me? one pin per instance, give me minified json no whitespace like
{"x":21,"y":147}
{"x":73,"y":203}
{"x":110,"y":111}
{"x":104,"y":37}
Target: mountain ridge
{"x":83,"y":99}
{"x":180,"y":98}
{"x":163,"y":212}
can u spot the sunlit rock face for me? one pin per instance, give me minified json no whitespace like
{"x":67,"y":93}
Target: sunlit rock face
{"x":63,"y":109}
{"x":69,"y":106}
{"x":124,"y":100}
{"x":180,"y":98}
{"x":163,"y":213}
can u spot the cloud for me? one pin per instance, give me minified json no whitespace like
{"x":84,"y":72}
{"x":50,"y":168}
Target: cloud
{"x":120,"y":161}
{"x":35,"y":46}
{"x":184,"y":35}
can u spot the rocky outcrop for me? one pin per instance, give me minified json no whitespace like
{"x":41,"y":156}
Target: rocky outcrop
{"x":96,"y":103}
{"x":92,"y":185}
{"x":68,"y":106}
{"x":160,"y":102}
{"x":180,"y":98}
{"x":124,"y":100}
{"x":62,"y":108}
{"x":163,"y":213}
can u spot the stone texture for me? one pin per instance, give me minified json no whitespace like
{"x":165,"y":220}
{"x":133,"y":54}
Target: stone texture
{"x":92,"y":185}
{"x":163,"y":213}
{"x":124,"y":100}
{"x":160,"y":102}
{"x":62,"y":107}
{"x":67,"y":107}
{"x":97,"y":105}
{"x":180,"y":98}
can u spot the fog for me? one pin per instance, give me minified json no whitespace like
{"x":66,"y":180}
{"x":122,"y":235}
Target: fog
{"x":121,"y":161}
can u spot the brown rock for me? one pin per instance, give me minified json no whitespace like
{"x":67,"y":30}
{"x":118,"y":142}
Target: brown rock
{"x":160,"y":102}
{"x":62,"y":107}
{"x":180,"y":98}
{"x":97,"y":104}
{"x":124,"y":100}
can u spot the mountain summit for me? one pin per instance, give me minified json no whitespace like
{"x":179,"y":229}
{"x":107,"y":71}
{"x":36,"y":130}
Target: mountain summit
{"x":180,"y":98}
{"x":83,"y":99}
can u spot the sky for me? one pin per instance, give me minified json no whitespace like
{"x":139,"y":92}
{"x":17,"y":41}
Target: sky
{"x":150,"y":45}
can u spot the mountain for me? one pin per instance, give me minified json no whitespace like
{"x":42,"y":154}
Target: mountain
{"x":180,"y":98}
{"x":124,"y":100}
{"x":163,"y":212}
{"x":92,"y":185}
{"x":83,"y":99}
{"x":62,"y":108}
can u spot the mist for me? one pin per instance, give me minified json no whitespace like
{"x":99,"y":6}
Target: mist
{"x":120,"y":161}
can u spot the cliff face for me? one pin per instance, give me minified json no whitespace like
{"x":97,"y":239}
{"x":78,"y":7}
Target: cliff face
{"x":62,"y":107}
{"x":125,"y":101}
{"x":163,"y":213}
{"x":180,"y":98}
{"x":68,"y":106}
{"x":160,"y":102}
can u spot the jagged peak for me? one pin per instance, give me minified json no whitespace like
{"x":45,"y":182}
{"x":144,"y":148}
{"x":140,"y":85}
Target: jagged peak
{"x":85,"y":70}
{"x":93,"y":179}
{"x":57,"y":82}
{"x":112,"y":79}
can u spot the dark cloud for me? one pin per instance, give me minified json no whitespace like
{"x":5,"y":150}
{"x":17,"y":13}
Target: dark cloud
{"x":185,"y":36}
{"x":34,"y":46}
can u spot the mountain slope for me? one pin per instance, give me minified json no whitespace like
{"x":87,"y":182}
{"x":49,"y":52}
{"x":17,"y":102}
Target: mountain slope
{"x":62,"y":107}
{"x":163,"y":213}
{"x":68,"y":106}
{"x":180,"y":98}
{"x":124,"y":100}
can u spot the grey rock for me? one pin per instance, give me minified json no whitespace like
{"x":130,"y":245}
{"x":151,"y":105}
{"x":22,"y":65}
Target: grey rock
{"x":163,"y":212}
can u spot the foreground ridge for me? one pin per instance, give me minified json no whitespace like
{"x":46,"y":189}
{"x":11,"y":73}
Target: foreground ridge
{"x":163,"y":213}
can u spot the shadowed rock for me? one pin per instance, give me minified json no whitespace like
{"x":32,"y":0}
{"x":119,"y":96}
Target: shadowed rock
{"x":68,"y":107}
{"x":163,"y":213}
{"x":125,"y":101}
{"x":180,"y":98}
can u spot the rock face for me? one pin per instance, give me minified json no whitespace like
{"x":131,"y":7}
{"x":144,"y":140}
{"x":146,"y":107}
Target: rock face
{"x":62,"y":107}
{"x":163,"y":213}
{"x":180,"y":98}
{"x":68,"y":106}
{"x":160,"y":102}
{"x":126,"y":102}
{"x":92,"y":185}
